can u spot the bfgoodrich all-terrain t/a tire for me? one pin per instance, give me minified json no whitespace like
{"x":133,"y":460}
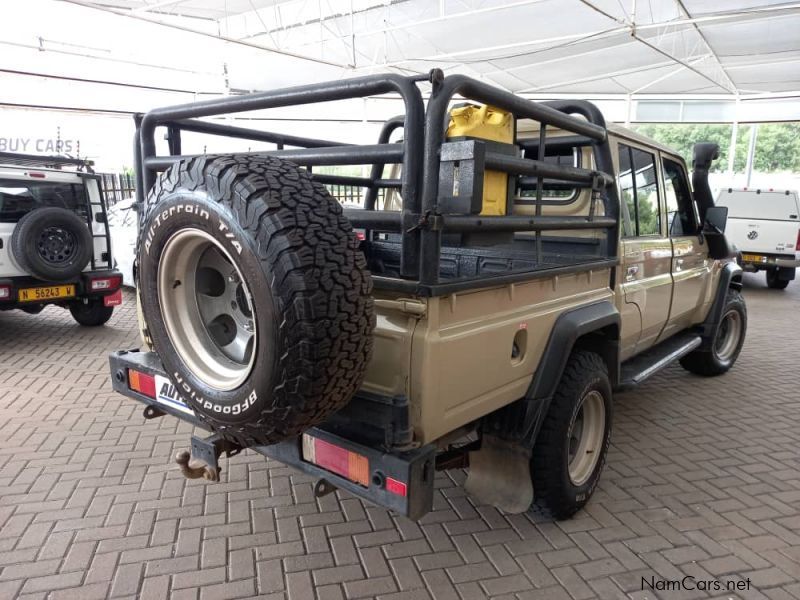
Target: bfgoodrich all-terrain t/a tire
{"x":255,"y":294}
{"x":572,"y":445}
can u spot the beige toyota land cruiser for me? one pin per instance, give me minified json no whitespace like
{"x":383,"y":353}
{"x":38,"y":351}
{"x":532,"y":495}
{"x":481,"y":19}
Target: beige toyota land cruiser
{"x":512,"y":264}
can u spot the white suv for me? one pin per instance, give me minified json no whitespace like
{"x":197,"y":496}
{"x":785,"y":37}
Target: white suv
{"x":55,"y":246}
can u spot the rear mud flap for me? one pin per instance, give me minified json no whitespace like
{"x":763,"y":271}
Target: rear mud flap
{"x":500,"y":475}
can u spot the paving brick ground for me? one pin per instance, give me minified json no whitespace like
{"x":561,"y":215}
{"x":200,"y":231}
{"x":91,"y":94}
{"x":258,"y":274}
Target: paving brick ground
{"x":703,"y":480}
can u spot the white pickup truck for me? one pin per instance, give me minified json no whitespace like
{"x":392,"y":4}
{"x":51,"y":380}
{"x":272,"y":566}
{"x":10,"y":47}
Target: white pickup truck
{"x":765,"y":227}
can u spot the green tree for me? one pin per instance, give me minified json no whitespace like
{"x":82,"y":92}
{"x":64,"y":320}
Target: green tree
{"x":777,"y":145}
{"x":682,"y":137}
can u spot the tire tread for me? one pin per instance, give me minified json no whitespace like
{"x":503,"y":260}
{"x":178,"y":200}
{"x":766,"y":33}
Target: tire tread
{"x":320,"y":284}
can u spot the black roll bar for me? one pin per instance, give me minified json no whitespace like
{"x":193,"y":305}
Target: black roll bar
{"x":333,"y":155}
{"x":444,"y":89}
{"x":420,"y":221}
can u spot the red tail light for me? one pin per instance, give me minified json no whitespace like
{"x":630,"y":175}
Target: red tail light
{"x":36,"y":175}
{"x":105,"y":284}
{"x":142,"y":383}
{"x":797,"y":245}
{"x":350,"y":465}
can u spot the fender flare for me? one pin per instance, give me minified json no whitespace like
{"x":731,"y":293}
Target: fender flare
{"x":568,"y":328}
{"x":521,"y":420}
{"x":730,"y":276}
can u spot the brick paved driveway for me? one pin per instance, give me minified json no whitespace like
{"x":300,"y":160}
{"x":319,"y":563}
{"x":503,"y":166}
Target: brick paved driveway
{"x":703,"y":480}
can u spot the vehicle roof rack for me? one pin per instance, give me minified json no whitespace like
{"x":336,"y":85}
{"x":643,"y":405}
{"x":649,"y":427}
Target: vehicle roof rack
{"x":44,"y":162}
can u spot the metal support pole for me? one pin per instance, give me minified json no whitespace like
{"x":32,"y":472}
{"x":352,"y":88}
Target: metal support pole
{"x":732,"y":151}
{"x":751,"y":154}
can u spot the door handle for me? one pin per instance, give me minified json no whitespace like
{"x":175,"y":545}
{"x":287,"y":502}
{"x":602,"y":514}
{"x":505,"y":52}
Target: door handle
{"x":678,"y":264}
{"x":630,"y":272}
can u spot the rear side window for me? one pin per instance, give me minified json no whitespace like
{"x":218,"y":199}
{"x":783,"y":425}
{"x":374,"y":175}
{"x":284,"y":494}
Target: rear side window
{"x":18,"y":198}
{"x":638,"y":185}
{"x":779,"y":206}
{"x":552,"y":192}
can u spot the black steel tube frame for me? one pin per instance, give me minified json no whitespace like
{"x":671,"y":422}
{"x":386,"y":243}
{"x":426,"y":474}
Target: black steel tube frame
{"x":556,"y":115}
{"x":335,"y":155}
{"x":419,"y":153}
{"x":377,"y":168}
{"x":323,"y":92}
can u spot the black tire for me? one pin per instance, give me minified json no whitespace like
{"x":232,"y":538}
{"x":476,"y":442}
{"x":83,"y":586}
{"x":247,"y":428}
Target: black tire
{"x":34,"y":309}
{"x":774,"y":281}
{"x":308,"y":289}
{"x":52,"y":244}
{"x":91,"y":313}
{"x":555,"y":492}
{"x":715,"y":357}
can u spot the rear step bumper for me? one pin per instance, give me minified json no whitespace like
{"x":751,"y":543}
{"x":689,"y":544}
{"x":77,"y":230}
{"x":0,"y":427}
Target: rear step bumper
{"x":414,"y":468}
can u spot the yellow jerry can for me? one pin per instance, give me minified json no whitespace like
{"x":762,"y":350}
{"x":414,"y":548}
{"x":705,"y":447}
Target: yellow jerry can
{"x":486,"y":123}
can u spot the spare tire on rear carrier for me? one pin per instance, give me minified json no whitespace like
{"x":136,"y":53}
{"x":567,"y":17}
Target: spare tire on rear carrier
{"x":255,"y":294}
{"x":52,"y":244}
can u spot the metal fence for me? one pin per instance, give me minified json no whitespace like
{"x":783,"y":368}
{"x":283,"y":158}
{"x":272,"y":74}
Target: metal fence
{"x":346,"y":194}
{"x":118,"y":186}
{"x":121,"y":186}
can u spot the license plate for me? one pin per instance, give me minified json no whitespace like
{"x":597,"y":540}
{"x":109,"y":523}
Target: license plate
{"x":167,"y":395}
{"x":756,"y":258}
{"x":40,"y":294}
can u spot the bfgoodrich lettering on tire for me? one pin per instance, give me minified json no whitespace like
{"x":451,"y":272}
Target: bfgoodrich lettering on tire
{"x":255,"y":294}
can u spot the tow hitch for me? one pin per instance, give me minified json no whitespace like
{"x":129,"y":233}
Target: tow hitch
{"x":203,"y":460}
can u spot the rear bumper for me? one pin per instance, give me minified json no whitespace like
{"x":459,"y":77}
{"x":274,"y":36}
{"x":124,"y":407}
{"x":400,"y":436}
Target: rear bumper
{"x":415,"y":468}
{"x":768,"y":261}
{"x":81,"y":283}
{"x":788,"y":263}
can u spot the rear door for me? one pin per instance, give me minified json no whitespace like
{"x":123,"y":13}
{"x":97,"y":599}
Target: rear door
{"x":691,"y":267}
{"x":645,"y":275}
{"x":22,"y":191}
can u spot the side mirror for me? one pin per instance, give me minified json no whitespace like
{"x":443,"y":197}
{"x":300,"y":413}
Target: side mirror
{"x":716,"y":219}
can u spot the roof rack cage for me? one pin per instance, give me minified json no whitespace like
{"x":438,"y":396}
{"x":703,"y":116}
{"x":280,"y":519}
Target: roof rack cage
{"x":423,"y":218}
{"x":44,"y":162}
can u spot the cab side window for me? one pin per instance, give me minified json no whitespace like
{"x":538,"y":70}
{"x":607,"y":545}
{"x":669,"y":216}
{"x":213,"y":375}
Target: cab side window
{"x":680,"y":208}
{"x":638,"y":185}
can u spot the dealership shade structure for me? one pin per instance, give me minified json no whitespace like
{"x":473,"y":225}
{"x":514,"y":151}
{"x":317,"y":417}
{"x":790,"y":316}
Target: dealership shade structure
{"x":642,"y":60}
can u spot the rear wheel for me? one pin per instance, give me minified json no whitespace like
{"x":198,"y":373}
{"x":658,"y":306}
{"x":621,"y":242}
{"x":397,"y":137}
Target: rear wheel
{"x":719,"y":353}
{"x":572,"y":445}
{"x":91,"y":313}
{"x":774,"y":280}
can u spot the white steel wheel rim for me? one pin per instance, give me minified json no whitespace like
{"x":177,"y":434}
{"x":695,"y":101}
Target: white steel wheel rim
{"x":585,"y":437}
{"x":207,"y":309}
{"x":730,"y":330}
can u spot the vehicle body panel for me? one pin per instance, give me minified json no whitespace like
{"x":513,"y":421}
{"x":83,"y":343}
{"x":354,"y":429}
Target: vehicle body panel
{"x":463,"y":362}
